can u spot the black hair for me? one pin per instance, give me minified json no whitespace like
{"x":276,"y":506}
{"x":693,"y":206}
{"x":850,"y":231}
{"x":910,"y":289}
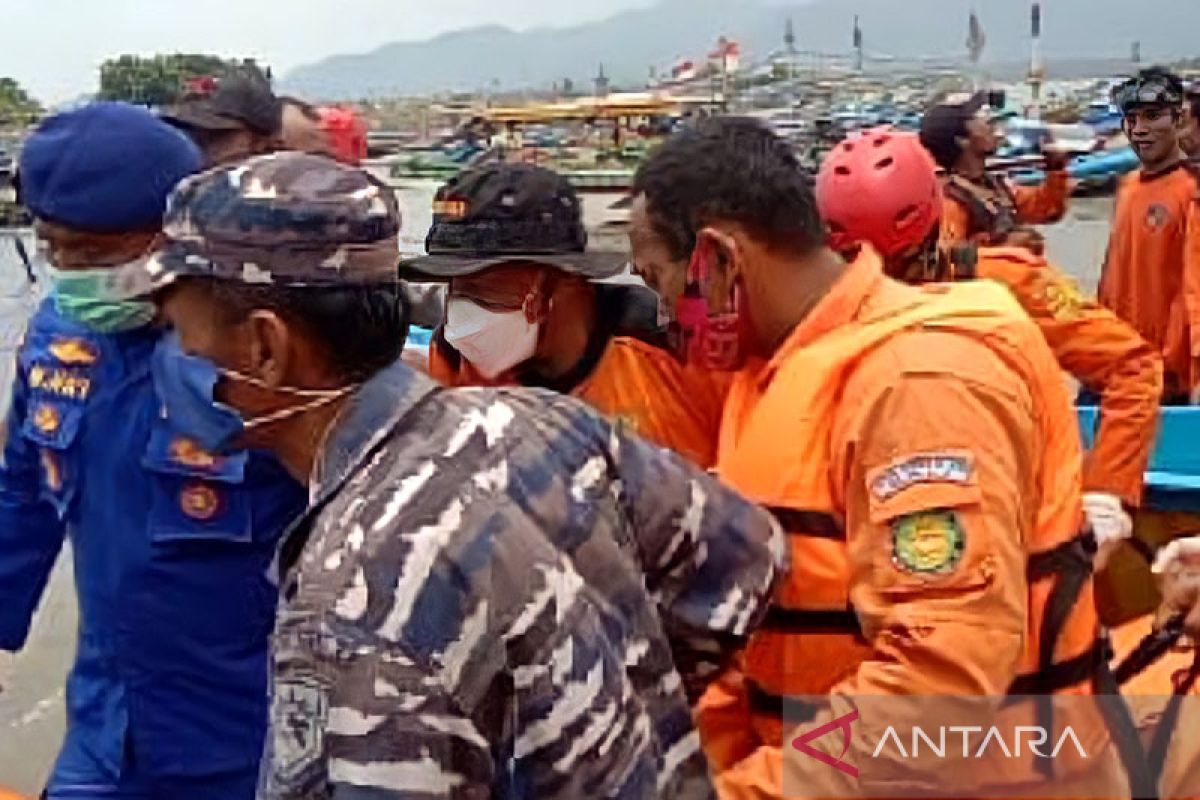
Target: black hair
{"x":1192,"y":97}
{"x":360,"y":330}
{"x":303,"y":106}
{"x":731,"y":168}
{"x":945,"y":149}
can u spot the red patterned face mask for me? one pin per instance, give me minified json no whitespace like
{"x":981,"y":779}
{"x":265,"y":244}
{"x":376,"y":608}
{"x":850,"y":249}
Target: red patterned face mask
{"x":714,"y":341}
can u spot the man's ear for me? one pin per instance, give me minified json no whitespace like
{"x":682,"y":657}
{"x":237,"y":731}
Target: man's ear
{"x":270,"y":348}
{"x":537,"y":301}
{"x":726,"y":256}
{"x":725,"y":248}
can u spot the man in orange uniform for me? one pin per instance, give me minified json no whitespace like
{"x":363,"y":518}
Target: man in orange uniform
{"x":523,"y":307}
{"x":981,"y":207}
{"x":917,"y":443}
{"x":1151,"y":278}
{"x":882,"y":188}
{"x":1189,"y":139}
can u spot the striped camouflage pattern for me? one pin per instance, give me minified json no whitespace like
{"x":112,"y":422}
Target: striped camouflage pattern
{"x":285,"y":218}
{"x":511,"y":598}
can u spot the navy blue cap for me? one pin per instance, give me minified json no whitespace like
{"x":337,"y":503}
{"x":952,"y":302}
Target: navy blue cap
{"x":105,"y":167}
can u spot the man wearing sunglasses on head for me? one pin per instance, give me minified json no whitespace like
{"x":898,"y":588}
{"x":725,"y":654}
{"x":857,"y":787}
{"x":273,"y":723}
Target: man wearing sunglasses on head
{"x":1151,"y":277}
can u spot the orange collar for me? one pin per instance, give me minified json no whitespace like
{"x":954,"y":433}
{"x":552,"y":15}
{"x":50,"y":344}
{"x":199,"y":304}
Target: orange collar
{"x":838,"y":307}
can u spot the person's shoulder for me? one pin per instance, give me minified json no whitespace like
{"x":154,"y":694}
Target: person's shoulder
{"x":975,"y":345}
{"x":1012,"y":266}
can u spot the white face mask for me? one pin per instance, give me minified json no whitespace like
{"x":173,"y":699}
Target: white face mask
{"x":493,"y":341}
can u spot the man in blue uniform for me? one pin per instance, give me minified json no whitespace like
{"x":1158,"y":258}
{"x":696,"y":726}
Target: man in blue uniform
{"x":173,"y":546}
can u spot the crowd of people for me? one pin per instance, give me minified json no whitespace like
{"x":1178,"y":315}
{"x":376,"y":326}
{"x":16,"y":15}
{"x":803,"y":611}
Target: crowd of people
{"x":613,"y":539}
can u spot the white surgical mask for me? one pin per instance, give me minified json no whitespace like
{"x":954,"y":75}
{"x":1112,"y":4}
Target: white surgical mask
{"x":493,"y":341}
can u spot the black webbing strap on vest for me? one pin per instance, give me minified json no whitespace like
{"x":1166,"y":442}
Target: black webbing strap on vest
{"x":800,"y":621}
{"x":1062,"y":675}
{"x":773,"y":705}
{"x":1143,"y":783}
{"x":1157,"y":756}
{"x":996,"y":217}
{"x":1152,"y":648}
{"x":817,"y":524}
{"x":1070,"y":565}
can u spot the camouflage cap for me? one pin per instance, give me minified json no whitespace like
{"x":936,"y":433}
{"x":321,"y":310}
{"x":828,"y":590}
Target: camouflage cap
{"x":291,"y":219}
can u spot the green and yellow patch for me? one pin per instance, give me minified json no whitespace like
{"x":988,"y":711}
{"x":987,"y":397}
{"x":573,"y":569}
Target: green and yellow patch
{"x":928,"y":543}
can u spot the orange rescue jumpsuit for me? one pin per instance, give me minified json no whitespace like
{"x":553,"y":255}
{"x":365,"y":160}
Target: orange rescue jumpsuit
{"x":972,"y":212}
{"x":1151,"y":277}
{"x":1105,"y":354}
{"x":644,"y":386}
{"x":919,"y":446}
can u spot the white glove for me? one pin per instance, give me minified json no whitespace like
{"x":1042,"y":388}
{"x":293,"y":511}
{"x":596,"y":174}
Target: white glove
{"x":1178,"y":570}
{"x":1109,"y":522}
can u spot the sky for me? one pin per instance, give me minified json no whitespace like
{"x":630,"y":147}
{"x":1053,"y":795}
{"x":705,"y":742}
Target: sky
{"x":54,"y":48}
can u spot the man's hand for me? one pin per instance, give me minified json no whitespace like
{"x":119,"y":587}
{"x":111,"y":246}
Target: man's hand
{"x":1178,"y":569}
{"x":1109,"y":523}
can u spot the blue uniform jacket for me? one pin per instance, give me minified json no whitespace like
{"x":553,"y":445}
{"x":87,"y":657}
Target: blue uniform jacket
{"x":173,"y":552}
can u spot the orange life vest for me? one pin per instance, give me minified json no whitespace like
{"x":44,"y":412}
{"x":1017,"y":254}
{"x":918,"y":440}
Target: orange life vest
{"x":811,"y":640}
{"x":991,"y":208}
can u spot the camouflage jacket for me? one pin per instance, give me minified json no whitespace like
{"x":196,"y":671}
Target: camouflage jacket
{"x":499,"y":594}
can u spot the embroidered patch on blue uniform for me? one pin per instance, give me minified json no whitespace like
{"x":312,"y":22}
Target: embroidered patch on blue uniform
{"x":945,"y":467}
{"x":74,"y":352}
{"x":70,"y":384}
{"x":186,"y":452}
{"x":928,"y":542}
{"x":199,"y":501}
{"x":47,"y":418}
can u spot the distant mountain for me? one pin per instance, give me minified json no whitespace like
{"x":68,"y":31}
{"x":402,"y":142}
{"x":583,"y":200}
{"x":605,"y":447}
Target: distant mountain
{"x":629,"y":43}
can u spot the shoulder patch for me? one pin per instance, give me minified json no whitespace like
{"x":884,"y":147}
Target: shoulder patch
{"x":1062,"y":298}
{"x":951,"y":466}
{"x":47,"y":419}
{"x":74,"y":352}
{"x":928,"y":543}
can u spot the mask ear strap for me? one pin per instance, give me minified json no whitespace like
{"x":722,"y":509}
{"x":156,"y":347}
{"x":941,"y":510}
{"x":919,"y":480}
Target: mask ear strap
{"x":292,"y":411}
{"x":318,"y":394}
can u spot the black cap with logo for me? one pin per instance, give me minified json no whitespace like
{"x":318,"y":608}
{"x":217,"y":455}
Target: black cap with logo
{"x":240,"y":101}
{"x":502,"y":213}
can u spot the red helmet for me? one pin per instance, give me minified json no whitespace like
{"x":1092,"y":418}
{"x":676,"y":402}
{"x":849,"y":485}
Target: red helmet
{"x":880,"y":187}
{"x":346,"y":133}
